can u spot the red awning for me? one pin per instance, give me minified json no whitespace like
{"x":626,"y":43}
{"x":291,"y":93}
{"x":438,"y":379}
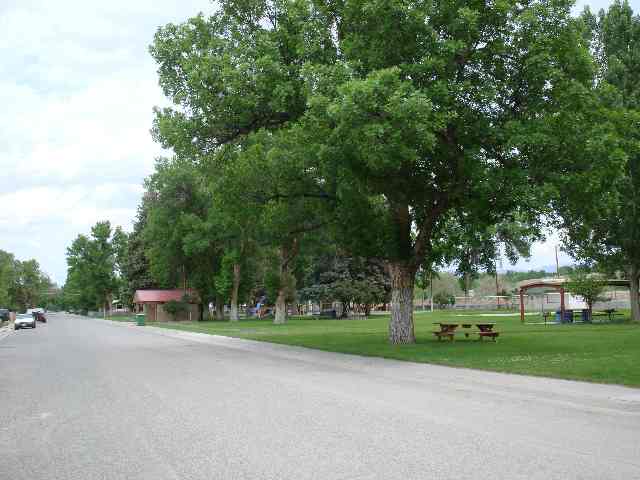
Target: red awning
{"x":163,"y":296}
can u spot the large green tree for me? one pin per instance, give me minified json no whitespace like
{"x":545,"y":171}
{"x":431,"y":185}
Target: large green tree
{"x":405,"y":113}
{"x":23,"y":284}
{"x":136,"y":271}
{"x":598,"y":200}
{"x":234,"y":84}
{"x":7,"y":277}
{"x":234,"y":213}
{"x":357,"y":283}
{"x":284,"y":198}
{"x":440,"y":119}
{"x":179,"y":240}
{"x":32,"y":284}
{"x":92,"y":273}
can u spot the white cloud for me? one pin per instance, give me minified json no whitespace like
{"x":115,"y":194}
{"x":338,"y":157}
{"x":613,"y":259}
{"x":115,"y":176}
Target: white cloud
{"x":101,"y":131}
{"x":597,"y":5}
{"x":543,"y":256}
{"x":77,"y":88}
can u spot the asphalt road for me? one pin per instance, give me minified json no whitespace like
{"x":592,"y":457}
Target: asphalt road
{"x":88,"y":399}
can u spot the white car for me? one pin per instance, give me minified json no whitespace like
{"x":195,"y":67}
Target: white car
{"x":24,"y":320}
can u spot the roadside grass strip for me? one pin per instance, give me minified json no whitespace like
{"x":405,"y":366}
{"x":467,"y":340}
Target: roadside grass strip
{"x":606,"y":352}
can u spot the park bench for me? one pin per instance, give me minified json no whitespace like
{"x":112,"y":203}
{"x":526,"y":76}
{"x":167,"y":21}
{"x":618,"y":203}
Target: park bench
{"x":610,"y":313}
{"x":450,"y":330}
{"x":492,"y":335}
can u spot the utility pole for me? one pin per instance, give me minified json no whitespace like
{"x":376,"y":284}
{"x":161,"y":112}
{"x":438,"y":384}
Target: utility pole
{"x":557,"y":264}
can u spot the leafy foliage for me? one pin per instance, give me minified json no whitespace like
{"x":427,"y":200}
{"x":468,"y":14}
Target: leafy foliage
{"x":357,"y":283}
{"x":135,"y":266}
{"x":444,"y":300}
{"x":93,"y":267}
{"x":179,"y":239}
{"x":22,"y":283}
{"x":598,"y":200}
{"x":175,"y":307}
{"x":589,"y":287}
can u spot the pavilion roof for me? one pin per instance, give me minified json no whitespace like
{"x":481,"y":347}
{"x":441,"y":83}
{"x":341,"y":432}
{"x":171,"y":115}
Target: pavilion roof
{"x":164,"y":295}
{"x":559,"y":282}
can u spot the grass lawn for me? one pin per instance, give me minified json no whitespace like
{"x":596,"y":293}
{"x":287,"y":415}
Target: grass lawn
{"x":608,"y":353}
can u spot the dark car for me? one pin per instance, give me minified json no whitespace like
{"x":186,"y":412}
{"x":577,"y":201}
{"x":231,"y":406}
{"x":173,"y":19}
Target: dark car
{"x":4,"y":315}
{"x":40,"y":316}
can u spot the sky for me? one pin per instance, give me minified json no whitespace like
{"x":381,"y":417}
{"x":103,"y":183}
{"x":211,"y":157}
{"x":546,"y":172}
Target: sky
{"x":77,"y":89}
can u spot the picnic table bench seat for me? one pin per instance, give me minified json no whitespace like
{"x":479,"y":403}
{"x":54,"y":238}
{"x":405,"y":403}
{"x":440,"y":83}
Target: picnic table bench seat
{"x":444,"y":334}
{"x":492,"y":334}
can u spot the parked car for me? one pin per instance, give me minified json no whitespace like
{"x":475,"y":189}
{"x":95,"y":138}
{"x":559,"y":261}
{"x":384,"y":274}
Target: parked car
{"x":4,"y":315}
{"x":40,"y":316}
{"x":24,"y":320}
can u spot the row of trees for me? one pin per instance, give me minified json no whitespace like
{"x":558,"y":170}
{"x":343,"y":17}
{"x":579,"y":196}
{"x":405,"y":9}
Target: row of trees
{"x":95,"y":268}
{"x":448,"y":284}
{"x":173,"y":245}
{"x":599,"y":201}
{"x":23,"y":284}
{"x":410,"y":135}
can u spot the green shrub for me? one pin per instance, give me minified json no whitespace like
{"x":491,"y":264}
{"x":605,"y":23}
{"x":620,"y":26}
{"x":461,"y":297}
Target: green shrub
{"x":175,"y":308}
{"x":444,"y":299}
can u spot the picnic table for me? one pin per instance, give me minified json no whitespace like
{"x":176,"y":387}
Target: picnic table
{"x":449,"y":330}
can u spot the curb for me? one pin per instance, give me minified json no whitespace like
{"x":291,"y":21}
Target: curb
{"x":5,"y":331}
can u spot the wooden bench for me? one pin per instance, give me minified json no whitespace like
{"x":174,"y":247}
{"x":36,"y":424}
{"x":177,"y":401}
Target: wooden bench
{"x":450,"y":330}
{"x":609,"y":313}
{"x":493,"y":335}
{"x":440,"y":335}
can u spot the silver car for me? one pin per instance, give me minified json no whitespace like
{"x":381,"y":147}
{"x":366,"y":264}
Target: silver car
{"x":24,"y":320}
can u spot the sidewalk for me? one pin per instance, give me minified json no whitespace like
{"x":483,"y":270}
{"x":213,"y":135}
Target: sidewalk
{"x":5,"y":330}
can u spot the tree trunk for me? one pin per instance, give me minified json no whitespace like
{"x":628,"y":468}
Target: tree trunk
{"x":633,"y":293}
{"x":281,"y":307}
{"x":234,"y":293}
{"x":288,"y":251}
{"x":219,"y":315}
{"x":344,"y":310}
{"x":401,"y":325}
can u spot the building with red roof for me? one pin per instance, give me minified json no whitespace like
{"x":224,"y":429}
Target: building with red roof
{"x":151,"y":302}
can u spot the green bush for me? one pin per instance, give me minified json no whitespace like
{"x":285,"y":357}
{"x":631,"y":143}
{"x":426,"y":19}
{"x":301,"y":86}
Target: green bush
{"x":444,"y":299}
{"x":175,"y":308}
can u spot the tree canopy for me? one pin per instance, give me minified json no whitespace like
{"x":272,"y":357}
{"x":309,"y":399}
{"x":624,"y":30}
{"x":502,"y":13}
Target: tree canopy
{"x":396,"y":116}
{"x":93,"y":274}
{"x":598,"y":197}
{"x":23,"y":284}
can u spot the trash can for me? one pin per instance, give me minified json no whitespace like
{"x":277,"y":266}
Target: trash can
{"x":568,"y":316}
{"x":140,"y":319}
